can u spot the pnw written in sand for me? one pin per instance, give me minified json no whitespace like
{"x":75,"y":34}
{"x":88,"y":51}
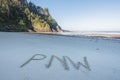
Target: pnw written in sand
{"x":67,"y":40}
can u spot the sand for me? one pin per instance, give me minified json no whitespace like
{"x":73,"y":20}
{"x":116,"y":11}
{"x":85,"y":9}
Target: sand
{"x":29,"y":56}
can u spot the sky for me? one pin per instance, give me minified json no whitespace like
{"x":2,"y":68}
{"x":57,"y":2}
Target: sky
{"x":84,"y":15}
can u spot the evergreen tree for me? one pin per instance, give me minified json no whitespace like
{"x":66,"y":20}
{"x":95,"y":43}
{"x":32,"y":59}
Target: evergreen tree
{"x":19,"y":15}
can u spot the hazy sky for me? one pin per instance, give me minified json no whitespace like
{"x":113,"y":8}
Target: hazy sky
{"x":84,"y":14}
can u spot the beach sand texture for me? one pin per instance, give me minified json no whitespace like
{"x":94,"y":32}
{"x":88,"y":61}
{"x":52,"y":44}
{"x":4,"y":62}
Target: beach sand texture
{"x":53,"y":52}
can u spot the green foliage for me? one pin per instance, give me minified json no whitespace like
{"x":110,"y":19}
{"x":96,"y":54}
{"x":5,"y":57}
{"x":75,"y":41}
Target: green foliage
{"x":22,"y":23}
{"x":21,"y":16}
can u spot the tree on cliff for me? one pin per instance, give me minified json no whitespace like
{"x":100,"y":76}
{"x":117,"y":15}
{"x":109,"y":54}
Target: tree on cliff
{"x":19,"y":15}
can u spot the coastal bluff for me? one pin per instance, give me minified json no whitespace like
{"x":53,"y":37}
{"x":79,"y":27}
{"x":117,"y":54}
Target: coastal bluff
{"x":24,"y":16}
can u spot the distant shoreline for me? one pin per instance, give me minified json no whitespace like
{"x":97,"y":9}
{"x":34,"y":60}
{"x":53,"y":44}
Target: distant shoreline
{"x":78,"y":34}
{"x":85,"y":34}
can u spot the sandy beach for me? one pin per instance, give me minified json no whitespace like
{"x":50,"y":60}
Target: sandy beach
{"x":29,"y":56}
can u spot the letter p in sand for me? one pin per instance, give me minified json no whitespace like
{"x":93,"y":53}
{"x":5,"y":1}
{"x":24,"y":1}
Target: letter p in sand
{"x":34,"y":57}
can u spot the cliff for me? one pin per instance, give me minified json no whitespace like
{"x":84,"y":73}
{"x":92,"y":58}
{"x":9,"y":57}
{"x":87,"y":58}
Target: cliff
{"x":23,"y":16}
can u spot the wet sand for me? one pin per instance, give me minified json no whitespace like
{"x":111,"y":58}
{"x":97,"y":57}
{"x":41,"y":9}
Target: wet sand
{"x":86,"y":34}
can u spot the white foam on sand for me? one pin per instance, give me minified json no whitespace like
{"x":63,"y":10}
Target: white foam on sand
{"x":107,"y":34}
{"x":102,"y":55}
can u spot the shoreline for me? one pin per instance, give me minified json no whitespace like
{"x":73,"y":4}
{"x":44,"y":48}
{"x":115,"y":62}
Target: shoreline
{"x":83,"y":34}
{"x":78,"y":34}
